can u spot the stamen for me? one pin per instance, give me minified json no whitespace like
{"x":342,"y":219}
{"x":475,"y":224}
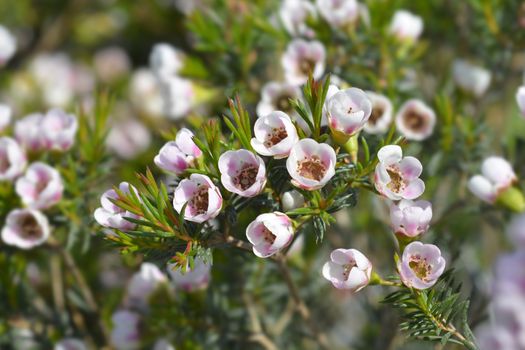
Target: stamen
{"x":200,"y":199}
{"x":268,"y":236}
{"x":246,"y":177}
{"x":311,"y":168}
{"x":30,"y":227}
{"x":277,"y":135}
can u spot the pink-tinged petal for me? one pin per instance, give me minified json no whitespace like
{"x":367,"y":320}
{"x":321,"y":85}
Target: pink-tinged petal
{"x":357,"y":280}
{"x":482,"y":188}
{"x":498,"y":171}
{"x":361,"y":260}
{"x":390,"y":154}
{"x":342,"y":256}
{"x":411,"y":168}
{"x":414,"y":189}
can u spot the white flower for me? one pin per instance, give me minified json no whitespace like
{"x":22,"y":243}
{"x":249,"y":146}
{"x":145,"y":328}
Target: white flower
{"x":144,"y":283}
{"x":302,"y":58}
{"x":12,"y":159}
{"x":420,"y":265}
{"x":415,"y":120}
{"x":410,"y":218}
{"x":178,"y":95}
{"x":339,"y":13}
{"x":145,"y":93}
{"x":5,"y":117}
{"x":128,"y":138}
{"x":348,"y":269}
{"x":28,"y":133}
{"x":165,"y":60}
{"x":471,"y":78}
{"x":294,"y":14}
{"x":269,"y":233}
{"x":381,"y":116}
{"x":25,"y":228}
{"x":242,"y":172}
{"x":203,"y":200}
{"x":58,"y":130}
{"x":7,"y":45}
{"x":275,"y":135}
{"x":112,"y":216}
{"x":41,"y":187}
{"x":496,"y":176}
{"x":348,"y":111}
{"x":406,"y":26}
{"x":397,"y":177}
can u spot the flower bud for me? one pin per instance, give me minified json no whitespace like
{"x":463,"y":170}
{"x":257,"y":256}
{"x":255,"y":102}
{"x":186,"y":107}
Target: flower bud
{"x":310,"y":164}
{"x":242,"y":172}
{"x":275,"y":135}
{"x":302,"y":58}
{"x":25,"y":228}
{"x":397,"y":177}
{"x":41,"y":187}
{"x":406,"y":26}
{"x":421,"y":265}
{"x":269,"y":233}
{"x":12,"y":159}
{"x":291,"y":200}
{"x":348,"y":269}
{"x":203,"y":200}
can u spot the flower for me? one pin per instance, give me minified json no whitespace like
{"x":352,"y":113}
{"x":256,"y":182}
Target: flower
{"x":12,"y":159}
{"x":496,"y":176}
{"x":516,"y":231}
{"x":28,"y":133}
{"x":397,"y":177}
{"x":125,"y":334}
{"x":291,"y":200}
{"x":7,"y":45}
{"x":406,"y":26}
{"x":112,"y":216}
{"x":111,"y":64}
{"x":179,"y":96}
{"x":144,"y":283}
{"x":410,"y":218}
{"x":276,"y":97}
{"x":242,"y":172}
{"x":5,"y":117}
{"x":348,"y":111}
{"x":302,"y":58}
{"x":128,"y":138}
{"x":421,"y":265}
{"x":310,"y":164}
{"x":294,"y":13}
{"x":520,"y":99}
{"x":41,"y":187}
{"x":165,"y":60}
{"x":145,"y":93}
{"x":269,"y":233}
{"x":471,"y":78}
{"x":58,"y":130}
{"x":176,"y":156}
{"x":70,"y":344}
{"x":339,"y":13}
{"x":193,"y":279}
{"x":25,"y":228}
{"x":203,"y":200}
{"x":381,"y":115}
{"x":275,"y":135}
{"x":348,"y":269}
{"x":415,"y":120}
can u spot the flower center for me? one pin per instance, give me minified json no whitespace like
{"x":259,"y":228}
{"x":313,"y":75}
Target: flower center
{"x":376,"y":114}
{"x":347,"y":268}
{"x":420,"y":266}
{"x":415,"y":121}
{"x":29,"y":227}
{"x":306,"y":66}
{"x":199,"y":201}
{"x":246,"y":177}
{"x":268,"y":236}
{"x":283,"y":103}
{"x":311,"y":168}
{"x":276,"y":136}
{"x":396,"y":184}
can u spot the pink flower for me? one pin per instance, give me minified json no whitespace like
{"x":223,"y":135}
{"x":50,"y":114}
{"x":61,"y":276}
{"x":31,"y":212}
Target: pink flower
{"x":406,"y":26}
{"x":302,"y":58}
{"x":310,"y":164}
{"x":397,"y":177}
{"x":410,"y":218}
{"x":28,"y":132}
{"x":202,"y":198}
{"x":421,"y":265}
{"x":12,"y":159}
{"x":276,"y":97}
{"x":381,"y":116}
{"x":144,"y":283}
{"x":125,"y":333}
{"x":112,"y":216}
{"x":294,"y":14}
{"x":242,"y":172}
{"x":339,"y":13}
{"x":520,"y":99}
{"x":496,"y":176}
{"x":5,"y":117}
{"x":58,"y":130}
{"x":41,"y":187}
{"x":269,"y":233}
{"x":348,"y":111}
{"x":348,"y":269}
{"x":415,"y":120}
{"x":25,"y":228}
{"x":7,"y":45}
{"x":275,"y":135}
{"x":176,"y":156}
{"x":193,"y":279}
